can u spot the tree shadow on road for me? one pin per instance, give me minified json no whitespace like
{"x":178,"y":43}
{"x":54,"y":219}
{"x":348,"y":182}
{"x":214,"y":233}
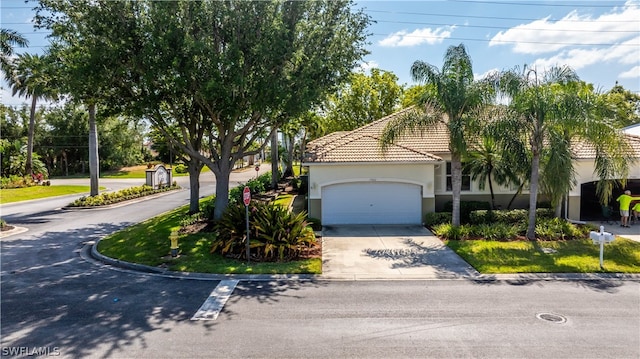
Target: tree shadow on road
{"x":52,"y":298}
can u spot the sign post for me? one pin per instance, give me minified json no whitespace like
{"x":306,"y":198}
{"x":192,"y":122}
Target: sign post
{"x":601,"y":238}
{"x":246,"y":198}
{"x":257,"y":170}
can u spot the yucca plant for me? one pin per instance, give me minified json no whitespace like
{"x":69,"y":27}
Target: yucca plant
{"x":275,"y":233}
{"x":231,"y":229}
{"x":281,"y":234}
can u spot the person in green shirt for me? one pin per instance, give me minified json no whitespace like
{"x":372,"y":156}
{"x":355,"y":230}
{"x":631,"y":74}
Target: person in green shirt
{"x":636,"y":211}
{"x":625,"y":201}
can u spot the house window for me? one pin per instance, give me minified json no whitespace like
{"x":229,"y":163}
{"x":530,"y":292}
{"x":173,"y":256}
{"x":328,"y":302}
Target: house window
{"x":466,"y":178}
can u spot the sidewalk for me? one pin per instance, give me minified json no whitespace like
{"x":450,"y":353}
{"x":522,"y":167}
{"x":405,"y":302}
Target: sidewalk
{"x":632,"y":233}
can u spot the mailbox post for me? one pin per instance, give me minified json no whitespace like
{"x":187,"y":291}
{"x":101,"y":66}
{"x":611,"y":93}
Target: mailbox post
{"x":246,"y":199}
{"x":601,"y":238}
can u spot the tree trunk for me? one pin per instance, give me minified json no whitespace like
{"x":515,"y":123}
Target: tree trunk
{"x":222,"y":190}
{"x":493,"y":196}
{"x":520,"y":187}
{"x":289,"y":140}
{"x":275,"y":176}
{"x":456,"y":186}
{"x":93,"y":151}
{"x":28,"y":168}
{"x":195,"y":167}
{"x":533,"y":195}
{"x":558,"y":209}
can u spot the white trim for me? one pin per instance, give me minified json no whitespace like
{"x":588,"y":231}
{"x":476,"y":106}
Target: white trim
{"x":374,"y":180}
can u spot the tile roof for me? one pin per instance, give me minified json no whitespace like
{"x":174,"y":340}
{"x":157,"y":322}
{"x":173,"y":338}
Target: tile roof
{"x":585,"y":150}
{"x":362,"y":145}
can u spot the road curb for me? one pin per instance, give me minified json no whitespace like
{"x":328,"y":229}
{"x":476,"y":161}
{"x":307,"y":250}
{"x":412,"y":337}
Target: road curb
{"x":92,"y":252}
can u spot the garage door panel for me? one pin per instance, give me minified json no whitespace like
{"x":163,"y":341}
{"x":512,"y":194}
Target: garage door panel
{"x":371,"y":203}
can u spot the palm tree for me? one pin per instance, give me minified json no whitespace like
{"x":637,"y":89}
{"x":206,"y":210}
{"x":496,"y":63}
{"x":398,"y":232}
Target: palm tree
{"x":32,"y":78}
{"x":487,"y":162}
{"x":451,"y":98}
{"x":9,"y":39}
{"x":547,"y":111}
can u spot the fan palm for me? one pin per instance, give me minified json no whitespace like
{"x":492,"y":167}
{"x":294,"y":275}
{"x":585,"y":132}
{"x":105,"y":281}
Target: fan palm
{"x":487,"y":162}
{"x":32,"y":78}
{"x":452,"y":97}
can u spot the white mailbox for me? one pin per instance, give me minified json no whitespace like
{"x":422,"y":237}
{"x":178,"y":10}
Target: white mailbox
{"x":601,"y":238}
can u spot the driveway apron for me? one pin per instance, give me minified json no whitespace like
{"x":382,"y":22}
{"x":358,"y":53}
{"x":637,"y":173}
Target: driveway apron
{"x":364,"y":252}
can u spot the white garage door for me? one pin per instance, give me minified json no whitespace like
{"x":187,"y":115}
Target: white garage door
{"x":371,"y":203}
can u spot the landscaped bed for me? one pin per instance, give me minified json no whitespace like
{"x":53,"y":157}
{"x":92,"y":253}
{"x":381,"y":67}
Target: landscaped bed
{"x":148,"y":243}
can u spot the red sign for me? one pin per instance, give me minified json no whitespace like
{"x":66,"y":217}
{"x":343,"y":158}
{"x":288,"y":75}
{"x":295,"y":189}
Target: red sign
{"x":246,"y":196}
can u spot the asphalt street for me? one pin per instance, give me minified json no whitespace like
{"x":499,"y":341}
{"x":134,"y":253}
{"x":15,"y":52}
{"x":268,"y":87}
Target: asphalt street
{"x":57,"y":303}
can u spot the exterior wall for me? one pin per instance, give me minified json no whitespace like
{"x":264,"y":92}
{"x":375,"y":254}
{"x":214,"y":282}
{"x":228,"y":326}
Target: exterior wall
{"x":432,"y":179}
{"x":573,"y":211}
{"x":324,"y":175}
{"x":502,"y":200}
{"x":315,"y":208}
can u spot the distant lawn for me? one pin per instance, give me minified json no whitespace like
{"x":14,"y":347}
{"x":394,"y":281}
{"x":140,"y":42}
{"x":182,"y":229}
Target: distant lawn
{"x":284,"y":200}
{"x":576,"y":256}
{"x":35,"y":192}
{"x":140,"y":172}
{"x":148,"y":243}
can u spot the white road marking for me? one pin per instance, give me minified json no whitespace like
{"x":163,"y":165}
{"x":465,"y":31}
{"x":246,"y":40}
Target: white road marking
{"x":211,"y":307}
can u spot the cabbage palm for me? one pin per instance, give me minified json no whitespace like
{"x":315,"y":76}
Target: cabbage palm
{"x":548,"y":111}
{"x":9,"y":39}
{"x":31,"y":78}
{"x":452,"y":97}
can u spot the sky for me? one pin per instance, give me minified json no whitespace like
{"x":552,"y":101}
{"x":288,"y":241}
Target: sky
{"x":600,"y":40}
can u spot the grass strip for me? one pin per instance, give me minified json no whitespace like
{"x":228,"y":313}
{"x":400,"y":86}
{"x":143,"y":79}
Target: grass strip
{"x":148,"y":243}
{"x":575,"y":256}
{"x":10,"y":195}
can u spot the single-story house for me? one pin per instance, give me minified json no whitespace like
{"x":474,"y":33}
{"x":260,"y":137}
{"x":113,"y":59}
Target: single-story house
{"x":352,"y":182}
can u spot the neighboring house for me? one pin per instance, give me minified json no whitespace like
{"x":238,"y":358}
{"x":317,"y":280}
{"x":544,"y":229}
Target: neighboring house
{"x":352,"y":182}
{"x":632,"y":130}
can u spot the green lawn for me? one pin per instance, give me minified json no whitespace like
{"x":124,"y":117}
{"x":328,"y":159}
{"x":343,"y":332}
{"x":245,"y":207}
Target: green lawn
{"x":577,"y":256}
{"x":10,"y":195}
{"x":148,"y":243}
{"x":140,"y":172}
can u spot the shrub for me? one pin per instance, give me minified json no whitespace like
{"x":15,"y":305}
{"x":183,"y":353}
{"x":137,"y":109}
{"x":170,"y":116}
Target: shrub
{"x":433,"y":218}
{"x":256,"y":185}
{"x":315,"y":223}
{"x":15,"y":181}
{"x":207,"y":207}
{"x":507,"y":216}
{"x":495,"y":232}
{"x":450,"y":232}
{"x":119,"y":196}
{"x":3,"y":223}
{"x":275,"y":233}
{"x":556,"y":229}
{"x":190,"y":219}
{"x":180,"y":168}
{"x":466,"y":207}
{"x":482,"y":216}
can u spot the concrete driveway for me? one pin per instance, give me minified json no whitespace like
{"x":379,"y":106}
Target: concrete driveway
{"x":364,"y":252}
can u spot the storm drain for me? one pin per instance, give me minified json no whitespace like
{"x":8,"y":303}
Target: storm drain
{"x":550,"y":317}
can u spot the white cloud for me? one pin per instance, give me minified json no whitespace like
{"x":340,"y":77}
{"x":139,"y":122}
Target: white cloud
{"x":417,"y":37}
{"x":623,"y":53}
{"x":366,"y":66}
{"x":485,"y":74}
{"x":543,"y":35}
{"x":633,"y":73}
